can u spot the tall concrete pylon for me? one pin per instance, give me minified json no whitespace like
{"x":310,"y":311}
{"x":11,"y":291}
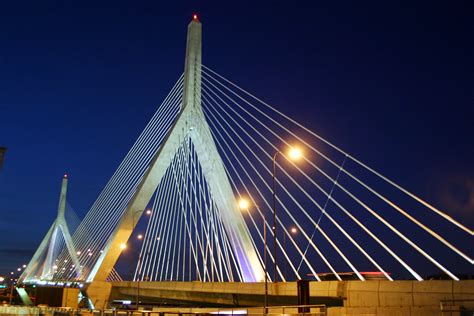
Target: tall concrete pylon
{"x":190,"y":123}
{"x":39,"y":269}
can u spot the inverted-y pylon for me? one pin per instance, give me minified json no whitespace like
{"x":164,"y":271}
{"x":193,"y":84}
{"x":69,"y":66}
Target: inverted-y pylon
{"x":41,"y":266}
{"x":191,"y":123}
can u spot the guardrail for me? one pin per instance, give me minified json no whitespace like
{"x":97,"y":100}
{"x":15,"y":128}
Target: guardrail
{"x":456,"y":306}
{"x":315,"y":310}
{"x":308,"y":310}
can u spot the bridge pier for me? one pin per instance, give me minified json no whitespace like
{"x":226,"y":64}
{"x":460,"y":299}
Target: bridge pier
{"x":98,"y":293}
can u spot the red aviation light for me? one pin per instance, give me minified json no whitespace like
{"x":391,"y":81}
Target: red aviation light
{"x":65,"y":176}
{"x":195,"y":16}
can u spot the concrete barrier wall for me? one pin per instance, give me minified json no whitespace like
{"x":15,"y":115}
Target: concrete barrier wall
{"x":19,"y":310}
{"x":406,"y":293}
{"x":386,"y":311}
{"x":29,"y":310}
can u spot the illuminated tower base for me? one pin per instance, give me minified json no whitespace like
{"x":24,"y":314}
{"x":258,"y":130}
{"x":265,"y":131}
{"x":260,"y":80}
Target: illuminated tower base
{"x":43,"y":269}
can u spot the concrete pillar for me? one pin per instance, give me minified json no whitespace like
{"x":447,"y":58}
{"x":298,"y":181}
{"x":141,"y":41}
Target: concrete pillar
{"x":99,"y":292}
{"x":303,"y":295}
{"x":189,"y":123}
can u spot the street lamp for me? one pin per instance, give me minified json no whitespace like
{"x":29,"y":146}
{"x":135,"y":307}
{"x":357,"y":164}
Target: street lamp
{"x":244,"y":205}
{"x":294,"y":153}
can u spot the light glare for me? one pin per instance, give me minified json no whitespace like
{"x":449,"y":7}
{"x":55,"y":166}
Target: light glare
{"x":295,"y":153}
{"x":243,"y":204}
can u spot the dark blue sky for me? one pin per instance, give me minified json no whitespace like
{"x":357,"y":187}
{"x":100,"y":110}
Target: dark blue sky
{"x":389,"y":83}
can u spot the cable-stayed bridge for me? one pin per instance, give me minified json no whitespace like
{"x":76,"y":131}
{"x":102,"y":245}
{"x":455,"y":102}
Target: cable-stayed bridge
{"x":237,"y":191}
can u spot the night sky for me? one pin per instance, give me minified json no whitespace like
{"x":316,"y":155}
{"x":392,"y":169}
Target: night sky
{"x":389,"y":83}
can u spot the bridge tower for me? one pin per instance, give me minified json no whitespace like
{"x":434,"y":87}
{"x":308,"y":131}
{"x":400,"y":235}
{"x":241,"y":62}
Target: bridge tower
{"x":41,"y":265}
{"x":190,"y":123}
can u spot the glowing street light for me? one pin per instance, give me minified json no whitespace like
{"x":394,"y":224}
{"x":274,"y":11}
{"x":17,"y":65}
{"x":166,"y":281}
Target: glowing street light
{"x":123,"y":246}
{"x":244,"y":204}
{"x":140,"y":236}
{"x":2,"y":279}
{"x":24,"y":266}
{"x":294,"y":153}
{"x":148,"y":212}
{"x":293,"y":230}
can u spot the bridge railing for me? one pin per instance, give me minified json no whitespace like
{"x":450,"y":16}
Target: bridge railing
{"x":456,"y":306}
{"x":309,"y":310}
{"x":275,"y":310}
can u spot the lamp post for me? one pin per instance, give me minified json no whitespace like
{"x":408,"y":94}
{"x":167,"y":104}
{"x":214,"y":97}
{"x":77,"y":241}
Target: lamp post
{"x":293,"y":154}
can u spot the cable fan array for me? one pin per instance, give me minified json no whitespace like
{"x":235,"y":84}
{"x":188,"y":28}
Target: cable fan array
{"x":56,"y":249}
{"x":101,"y":220}
{"x":185,"y":238}
{"x":330,"y":213}
{"x":333,"y":212}
{"x":57,"y":245}
{"x":329,"y":216}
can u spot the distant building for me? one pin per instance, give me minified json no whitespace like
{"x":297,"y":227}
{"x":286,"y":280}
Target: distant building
{"x":3,"y":150}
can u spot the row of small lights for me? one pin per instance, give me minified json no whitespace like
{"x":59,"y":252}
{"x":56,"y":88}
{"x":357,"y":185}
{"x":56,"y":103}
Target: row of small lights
{"x":89,"y":252}
{"x":244,"y":204}
{"x":2,"y":279}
